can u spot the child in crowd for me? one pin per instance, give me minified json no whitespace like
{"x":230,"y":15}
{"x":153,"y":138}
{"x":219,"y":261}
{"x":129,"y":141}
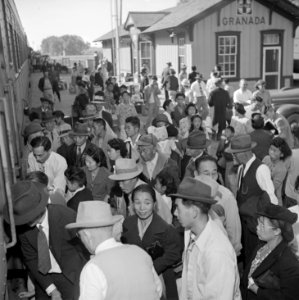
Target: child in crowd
{"x":170,"y":144}
{"x":165,"y":185}
{"x":77,"y":192}
{"x":278,"y":164}
{"x":168,"y":107}
{"x":123,"y":111}
{"x":132,"y":128}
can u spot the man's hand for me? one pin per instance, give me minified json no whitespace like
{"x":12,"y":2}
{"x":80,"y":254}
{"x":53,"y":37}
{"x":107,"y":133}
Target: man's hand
{"x":55,"y":295}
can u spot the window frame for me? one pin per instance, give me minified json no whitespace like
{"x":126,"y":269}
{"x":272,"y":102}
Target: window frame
{"x":181,"y":58}
{"x":150,"y":58}
{"x":229,"y":34}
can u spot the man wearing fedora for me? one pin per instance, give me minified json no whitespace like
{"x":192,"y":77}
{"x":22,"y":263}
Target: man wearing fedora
{"x":42,"y":158}
{"x":51,"y":254}
{"x":153,"y":161}
{"x":197,"y":144}
{"x":80,"y":134}
{"x":99,"y":102}
{"x":127,"y":173}
{"x":65,"y":142}
{"x":48,"y":121}
{"x":210,"y":268}
{"x":253,"y":178}
{"x":116,"y":271}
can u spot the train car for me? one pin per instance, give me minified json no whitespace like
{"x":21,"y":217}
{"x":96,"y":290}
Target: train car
{"x":14,"y":87}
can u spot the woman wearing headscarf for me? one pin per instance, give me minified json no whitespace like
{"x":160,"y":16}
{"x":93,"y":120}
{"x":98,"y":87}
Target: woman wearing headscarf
{"x":273,"y":272}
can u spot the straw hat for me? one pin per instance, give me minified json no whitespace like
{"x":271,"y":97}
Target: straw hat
{"x":126,"y":168}
{"x":94,"y":214}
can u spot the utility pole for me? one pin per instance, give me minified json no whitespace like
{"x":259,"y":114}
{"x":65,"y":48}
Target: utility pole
{"x":117,"y":52}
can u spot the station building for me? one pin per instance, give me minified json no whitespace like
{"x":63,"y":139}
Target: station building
{"x":249,"y":39}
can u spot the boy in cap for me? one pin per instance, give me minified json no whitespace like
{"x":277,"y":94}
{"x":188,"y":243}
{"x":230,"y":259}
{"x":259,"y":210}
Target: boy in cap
{"x":116,"y":271}
{"x":50,"y":253}
{"x":210,"y":268}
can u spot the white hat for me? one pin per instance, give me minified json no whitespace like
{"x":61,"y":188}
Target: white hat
{"x":94,"y":214}
{"x":126,"y":168}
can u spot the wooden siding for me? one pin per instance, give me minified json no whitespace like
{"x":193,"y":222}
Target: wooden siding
{"x":165,"y":51}
{"x":204,"y":45}
{"x":107,"y":53}
{"x":125,"y":59}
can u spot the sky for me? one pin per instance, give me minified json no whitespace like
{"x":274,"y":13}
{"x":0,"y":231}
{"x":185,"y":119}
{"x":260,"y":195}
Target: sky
{"x":89,"y":18}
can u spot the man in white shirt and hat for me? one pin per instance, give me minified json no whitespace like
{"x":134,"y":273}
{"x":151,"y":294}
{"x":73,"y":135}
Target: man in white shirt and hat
{"x":210,"y":268}
{"x":116,"y":271}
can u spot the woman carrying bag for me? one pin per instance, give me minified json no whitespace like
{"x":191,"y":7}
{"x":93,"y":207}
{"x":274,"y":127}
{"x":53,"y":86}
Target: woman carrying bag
{"x":273,"y":272}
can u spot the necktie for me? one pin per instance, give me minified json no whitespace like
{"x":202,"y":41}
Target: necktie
{"x":44,"y":262}
{"x":52,"y":136}
{"x":240,"y":175}
{"x":78,"y":155}
{"x":42,"y":168}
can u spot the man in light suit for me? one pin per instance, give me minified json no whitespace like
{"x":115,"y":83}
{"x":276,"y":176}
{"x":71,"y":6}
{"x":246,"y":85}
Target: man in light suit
{"x":53,"y":257}
{"x":116,"y":271}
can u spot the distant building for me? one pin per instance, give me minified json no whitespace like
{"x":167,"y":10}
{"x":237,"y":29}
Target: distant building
{"x":249,"y":39}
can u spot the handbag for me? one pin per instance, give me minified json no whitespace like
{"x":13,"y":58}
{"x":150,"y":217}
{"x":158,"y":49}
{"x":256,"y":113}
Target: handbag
{"x":268,"y":280}
{"x":155,"y":250}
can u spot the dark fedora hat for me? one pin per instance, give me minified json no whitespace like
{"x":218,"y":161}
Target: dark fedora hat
{"x":277,"y":212}
{"x":80,"y":129}
{"x":197,"y":140}
{"x":29,"y":201}
{"x":240,"y":143}
{"x":202,"y":190}
{"x":47,"y":117}
{"x":31,"y":128}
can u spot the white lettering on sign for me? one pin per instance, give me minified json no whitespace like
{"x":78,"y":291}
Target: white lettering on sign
{"x":243,"y":21}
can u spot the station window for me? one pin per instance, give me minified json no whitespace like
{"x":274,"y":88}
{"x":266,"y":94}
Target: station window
{"x":146,"y":55}
{"x":228,"y":54}
{"x":181,"y":51}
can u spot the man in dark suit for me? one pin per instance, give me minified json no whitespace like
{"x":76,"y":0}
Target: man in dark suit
{"x":196,"y":146}
{"x":219,"y":99}
{"x":51,"y":254}
{"x":260,"y":136}
{"x":75,"y":153}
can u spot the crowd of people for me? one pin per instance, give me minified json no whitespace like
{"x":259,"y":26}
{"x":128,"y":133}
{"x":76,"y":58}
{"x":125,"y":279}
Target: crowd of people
{"x":195,"y":199}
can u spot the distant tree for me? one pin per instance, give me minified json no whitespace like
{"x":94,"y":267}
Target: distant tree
{"x":71,"y":44}
{"x":52,"y":45}
{"x":74,"y":45}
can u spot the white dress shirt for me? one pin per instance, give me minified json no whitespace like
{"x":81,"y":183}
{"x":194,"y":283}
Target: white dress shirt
{"x":263,"y":178}
{"x":53,"y":167}
{"x":242,"y":97}
{"x":210,"y":268}
{"x":93,"y":283}
{"x":199,"y":89}
{"x":55,"y":268}
{"x":150,"y":165}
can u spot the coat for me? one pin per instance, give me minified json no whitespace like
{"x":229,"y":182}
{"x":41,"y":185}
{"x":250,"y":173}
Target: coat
{"x":283,"y":264}
{"x":163,"y":163}
{"x":263,"y":139}
{"x":65,"y":248}
{"x":84,"y":195}
{"x":219,"y":99}
{"x":158,"y":231}
{"x":71,"y":156}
